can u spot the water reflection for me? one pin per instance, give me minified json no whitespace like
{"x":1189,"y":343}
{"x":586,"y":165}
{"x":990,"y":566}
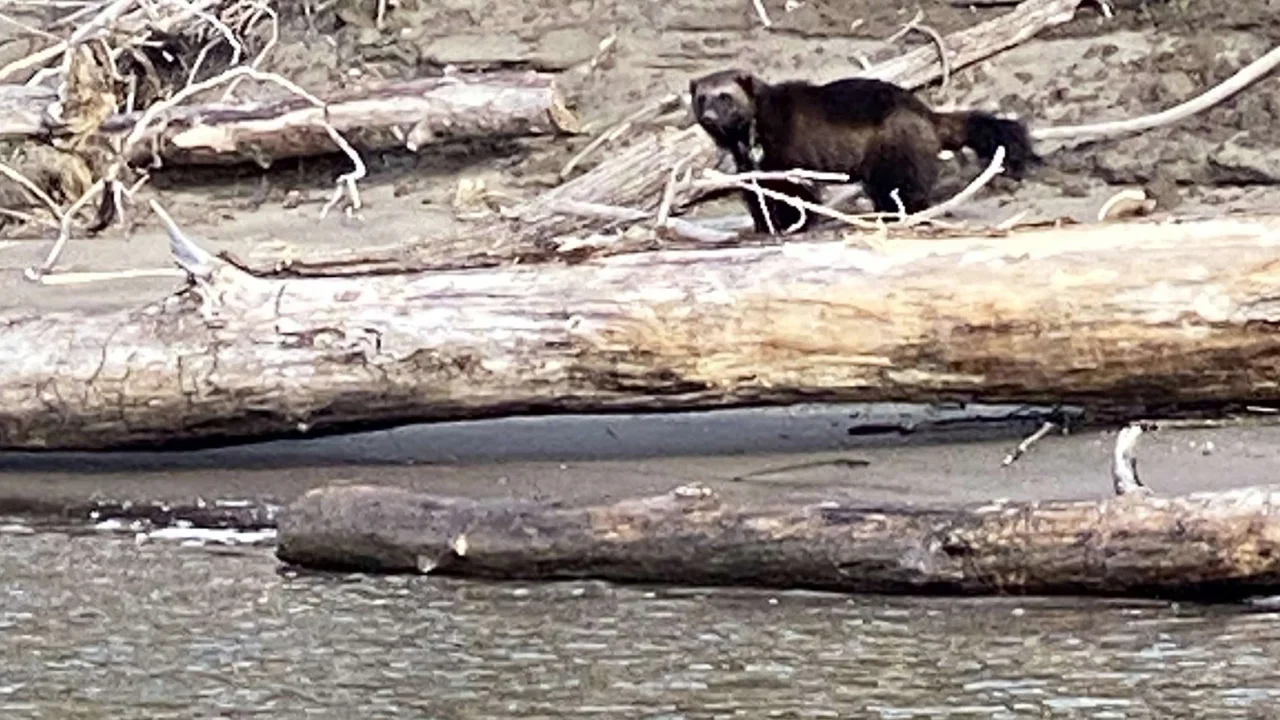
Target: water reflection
{"x":101,"y":627}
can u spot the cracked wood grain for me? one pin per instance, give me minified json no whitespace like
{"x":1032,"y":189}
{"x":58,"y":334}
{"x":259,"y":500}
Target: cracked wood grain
{"x":406,"y":113}
{"x":1124,"y":319}
{"x":1204,"y":546}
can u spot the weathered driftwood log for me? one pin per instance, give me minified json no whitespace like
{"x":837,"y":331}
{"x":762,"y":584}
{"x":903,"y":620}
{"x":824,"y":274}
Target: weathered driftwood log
{"x":1124,"y":319}
{"x":924,"y":64}
{"x":1207,"y":546}
{"x":408,"y":113}
{"x":636,"y":177}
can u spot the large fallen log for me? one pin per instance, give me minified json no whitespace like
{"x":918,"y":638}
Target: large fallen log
{"x":635,"y":178}
{"x":1207,"y":546}
{"x":409,"y":113}
{"x":1123,"y":319}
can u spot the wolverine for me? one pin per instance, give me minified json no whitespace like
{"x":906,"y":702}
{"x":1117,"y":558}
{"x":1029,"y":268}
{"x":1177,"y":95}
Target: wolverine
{"x":878,"y":133}
{"x":726,"y":115}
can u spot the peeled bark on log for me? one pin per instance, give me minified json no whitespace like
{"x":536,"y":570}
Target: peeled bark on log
{"x":1205,"y":546}
{"x":636,"y":177}
{"x":24,"y":111}
{"x":1123,"y":319}
{"x":387,"y":115}
{"x":408,"y":113}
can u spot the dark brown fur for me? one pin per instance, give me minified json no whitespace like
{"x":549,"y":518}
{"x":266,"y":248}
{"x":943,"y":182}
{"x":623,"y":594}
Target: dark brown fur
{"x":876,"y":132}
{"x":722,"y":109}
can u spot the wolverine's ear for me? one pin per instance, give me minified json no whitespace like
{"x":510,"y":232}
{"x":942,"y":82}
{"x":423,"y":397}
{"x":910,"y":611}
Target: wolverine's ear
{"x":747,"y":82}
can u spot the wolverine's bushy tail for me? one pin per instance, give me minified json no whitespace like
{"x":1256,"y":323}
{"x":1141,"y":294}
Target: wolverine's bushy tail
{"x":984,"y":133}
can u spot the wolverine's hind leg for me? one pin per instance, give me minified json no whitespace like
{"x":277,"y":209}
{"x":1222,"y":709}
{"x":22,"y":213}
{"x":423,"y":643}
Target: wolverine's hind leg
{"x":907,"y":172}
{"x":904,"y":159}
{"x":783,"y":216}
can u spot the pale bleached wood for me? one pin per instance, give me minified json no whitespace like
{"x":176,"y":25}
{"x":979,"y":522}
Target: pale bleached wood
{"x":923,"y":65}
{"x":378,"y":116}
{"x":409,"y":113}
{"x":1205,"y":546}
{"x":24,"y":111}
{"x":1124,"y":319}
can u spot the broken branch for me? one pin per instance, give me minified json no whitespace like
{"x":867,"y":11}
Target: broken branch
{"x":917,"y":319}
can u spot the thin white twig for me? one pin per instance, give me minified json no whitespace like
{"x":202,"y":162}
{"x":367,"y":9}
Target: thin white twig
{"x":81,"y":278}
{"x":916,"y":24}
{"x":995,"y":167}
{"x":1124,"y":465}
{"x":715,"y":179}
{"x":906,"y":28}
{"x":943,"y":58}
{"x":345,"y":183}
{"x":237,"y":49}
{"x":347,"y":180}
{"x":28,"y":218}
{"x":698,"y":232}
{"x":760,"y":196}
{"x":1127,"y":201}
{"x":28,"y":28}
{"x":762,"y":13}
{"x":852,"y":220}
{"x":272,"y":41}
{"x":1013,"y":220}
{"x":669,"y":191}
{"x":1026,"y":444}
{"x":32,"y":188}
{"x":64,"y":231}
{"x":107,"y":16}
{"x":684,"y":228}
{"x":199,"y":61}
{"x":897,"y":200}
{"x":1237,"y":82}
{"x":189,"y":256}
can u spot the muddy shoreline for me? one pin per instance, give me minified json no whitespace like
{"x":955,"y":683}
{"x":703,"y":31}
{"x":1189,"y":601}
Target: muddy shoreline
{"x":1150,"y":56}
{"x":802,"y":455}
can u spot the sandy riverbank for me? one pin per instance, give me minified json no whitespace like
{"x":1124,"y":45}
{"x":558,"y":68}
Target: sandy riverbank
{"x":1150,"y":56}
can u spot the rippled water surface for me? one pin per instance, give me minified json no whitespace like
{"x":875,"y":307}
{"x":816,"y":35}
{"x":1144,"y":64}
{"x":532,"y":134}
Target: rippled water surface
{"x":99,"y":627}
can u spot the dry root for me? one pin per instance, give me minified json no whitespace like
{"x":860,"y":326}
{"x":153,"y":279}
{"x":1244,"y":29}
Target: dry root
{"x":124,"y":56}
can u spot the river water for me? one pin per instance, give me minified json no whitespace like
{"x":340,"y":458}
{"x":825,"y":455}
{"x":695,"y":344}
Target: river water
{"x":96,"y":624}
{"x":103,"y":626}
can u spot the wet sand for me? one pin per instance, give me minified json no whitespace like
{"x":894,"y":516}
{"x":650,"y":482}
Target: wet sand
{"x":1148,"y":58}
{"x":800,"y":454}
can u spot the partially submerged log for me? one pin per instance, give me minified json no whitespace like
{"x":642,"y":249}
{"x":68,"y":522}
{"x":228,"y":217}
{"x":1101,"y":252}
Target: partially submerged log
{"x":410,"y":113}
{"x":1206,"y":546}
{"x":1123,"y":319}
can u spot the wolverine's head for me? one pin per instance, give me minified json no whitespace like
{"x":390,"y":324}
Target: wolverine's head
{"x":724,"y":104}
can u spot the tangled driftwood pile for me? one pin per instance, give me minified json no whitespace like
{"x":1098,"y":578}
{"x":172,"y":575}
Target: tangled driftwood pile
{"x":598,"y":295}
